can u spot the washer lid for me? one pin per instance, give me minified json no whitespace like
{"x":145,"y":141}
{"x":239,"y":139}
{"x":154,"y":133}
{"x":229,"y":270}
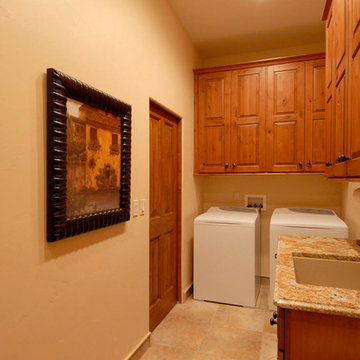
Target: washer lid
{"x":306,"y":218}
{"x":228,"y":215}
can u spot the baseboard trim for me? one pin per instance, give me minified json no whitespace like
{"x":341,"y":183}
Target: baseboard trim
{"x":140,"y":349}
{"x":187,"y":293}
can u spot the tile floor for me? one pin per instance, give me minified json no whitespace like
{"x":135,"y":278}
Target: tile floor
{"x":198,"y":330}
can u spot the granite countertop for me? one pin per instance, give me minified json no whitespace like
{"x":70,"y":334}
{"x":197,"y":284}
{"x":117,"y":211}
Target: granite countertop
{"x":329,"y":300}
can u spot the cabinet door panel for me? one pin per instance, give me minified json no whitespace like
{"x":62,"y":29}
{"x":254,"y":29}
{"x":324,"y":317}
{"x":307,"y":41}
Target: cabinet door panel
{"x":315,"y":116}
{"x":340,"y":36}
{"x":340,"y":103}
{"x":214,"y":141}
{"x":285,"y":120}
{"x":354,"y":117}
{"x":213,"y":122}
{"x":286,"y":141}
{"x":339,"y":127}
{"x":330,"y":130}
{"x":354,"y":19}
{"x":330,"y":59}
{"x":248,"y":120}
{"x":247,"y":151}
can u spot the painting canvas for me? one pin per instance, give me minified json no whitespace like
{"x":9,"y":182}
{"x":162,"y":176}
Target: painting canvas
{"x":93,"y":159}
{"x":88,"y":157}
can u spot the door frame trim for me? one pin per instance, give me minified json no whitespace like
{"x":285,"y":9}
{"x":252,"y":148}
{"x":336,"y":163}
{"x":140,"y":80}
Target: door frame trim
{"x":157,"y":105}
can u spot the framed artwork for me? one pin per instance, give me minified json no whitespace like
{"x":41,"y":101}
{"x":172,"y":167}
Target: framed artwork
{"x":88,"y":158}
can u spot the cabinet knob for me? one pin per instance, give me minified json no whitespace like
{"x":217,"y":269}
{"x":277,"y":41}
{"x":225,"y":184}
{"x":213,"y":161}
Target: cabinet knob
{"x":226,"y":164}
{"x":309,"y":163}
{"x":233,"y":165}
{"x":343,"y":158}
{"x":300,"y":163}
{"x":328,"y":163}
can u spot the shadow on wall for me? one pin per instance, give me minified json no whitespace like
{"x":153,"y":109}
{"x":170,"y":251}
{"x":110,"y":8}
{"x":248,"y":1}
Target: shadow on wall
{"x":351,"y":208}
{"x":356,"y":195}
{"x":50,"y":251}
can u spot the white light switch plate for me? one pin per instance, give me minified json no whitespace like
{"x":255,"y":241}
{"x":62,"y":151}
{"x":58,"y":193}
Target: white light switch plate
{"x":142,"y":207}
{"x":135,"y":208}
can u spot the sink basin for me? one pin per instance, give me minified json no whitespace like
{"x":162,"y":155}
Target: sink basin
{"x":333,"y":272}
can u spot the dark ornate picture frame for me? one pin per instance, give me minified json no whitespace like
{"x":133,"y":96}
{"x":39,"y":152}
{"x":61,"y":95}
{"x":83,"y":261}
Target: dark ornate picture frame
{"x":60,"y":88}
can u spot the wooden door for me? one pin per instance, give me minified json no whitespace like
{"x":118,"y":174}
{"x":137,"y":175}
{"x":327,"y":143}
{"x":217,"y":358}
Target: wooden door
{"x":213,"y":147}
{"x":315,"y":124}
{"x":354,"y":95}
{"x":248,"y":120}
{"x":164,"y":213}
{"x":285,"y":118}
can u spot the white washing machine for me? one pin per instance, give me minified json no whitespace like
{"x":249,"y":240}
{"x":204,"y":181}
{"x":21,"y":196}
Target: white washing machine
{"x":299,"y":221}
{"x":227,"y":255}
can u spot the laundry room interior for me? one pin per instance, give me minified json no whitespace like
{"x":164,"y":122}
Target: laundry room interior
{"x":281,"y":191}
{"x":134,"y":132}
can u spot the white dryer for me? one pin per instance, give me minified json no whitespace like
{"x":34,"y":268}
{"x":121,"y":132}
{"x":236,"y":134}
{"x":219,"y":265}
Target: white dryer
{"x":227,"y":255}
{"x":300,"y":221}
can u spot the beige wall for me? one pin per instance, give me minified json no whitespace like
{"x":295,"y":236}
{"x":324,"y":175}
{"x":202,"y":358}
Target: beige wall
{"x":266,"y":54}
{"x":280,"y":191}
{"x":85,"y":297}
{"x":351,"y":207}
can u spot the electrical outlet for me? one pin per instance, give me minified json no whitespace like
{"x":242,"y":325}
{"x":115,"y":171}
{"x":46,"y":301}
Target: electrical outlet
{"x":142,"y":207}
{"x":135,"y":208}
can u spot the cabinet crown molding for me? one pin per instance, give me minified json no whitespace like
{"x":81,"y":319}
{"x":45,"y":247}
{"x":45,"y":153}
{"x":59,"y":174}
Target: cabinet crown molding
{"x":262,"y":62}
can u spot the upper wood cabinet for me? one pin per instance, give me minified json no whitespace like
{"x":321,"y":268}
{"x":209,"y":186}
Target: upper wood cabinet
{"x":248,"y":120}
{"x":285,"y":118}
{"x":315,"y":123}
{"x":266,"y":116}
{"x":343,"y":92}
{"x":354,"y":89}
{"x":213,"y":136}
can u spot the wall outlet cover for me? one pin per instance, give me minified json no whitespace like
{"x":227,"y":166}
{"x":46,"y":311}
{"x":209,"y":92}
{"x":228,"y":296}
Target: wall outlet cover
{"x":258,"y":201}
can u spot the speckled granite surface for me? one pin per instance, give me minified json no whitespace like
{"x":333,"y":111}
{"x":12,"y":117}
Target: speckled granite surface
{"x":329,"y":300}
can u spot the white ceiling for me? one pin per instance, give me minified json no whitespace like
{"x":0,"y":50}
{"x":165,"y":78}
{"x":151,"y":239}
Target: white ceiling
{"x":227,"y":27}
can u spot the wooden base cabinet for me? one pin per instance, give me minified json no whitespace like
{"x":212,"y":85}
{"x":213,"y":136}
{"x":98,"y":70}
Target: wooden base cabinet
{"x":261,"y":117}
{"x":314,"y":336}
